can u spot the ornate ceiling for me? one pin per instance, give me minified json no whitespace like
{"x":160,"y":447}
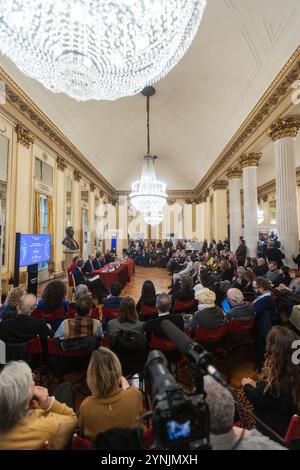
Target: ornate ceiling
{"x":240,"y":48}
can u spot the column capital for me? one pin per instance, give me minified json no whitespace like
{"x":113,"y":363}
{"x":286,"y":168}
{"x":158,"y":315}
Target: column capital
{"x":61,"y":163}
{"x":250,"y":159}
{"x":77,"y":175}
{"x":24,"y":136}
{"x":92,"y":187}
{"x":220,"y":184}
{"x":234,"y":173}
{"x":286,"y":127}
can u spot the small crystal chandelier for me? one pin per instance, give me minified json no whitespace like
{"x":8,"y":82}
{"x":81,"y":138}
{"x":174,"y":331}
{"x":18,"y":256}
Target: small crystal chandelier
{"x":97,"y":49}
{"x":148,"y":195}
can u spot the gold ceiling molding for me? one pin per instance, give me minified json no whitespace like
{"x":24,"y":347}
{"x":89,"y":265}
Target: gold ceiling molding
{"x":234,"y":173}
{"x":250,"y":159}
{"x":61,"y":163}
{"x":282,"y":128}
{"x":17,"y":98}
{"x":24,"y":136}
{"x":274,"y":95}
{"x":221,"y":184}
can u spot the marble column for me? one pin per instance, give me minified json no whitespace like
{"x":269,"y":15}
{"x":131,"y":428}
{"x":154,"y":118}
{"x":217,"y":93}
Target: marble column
{"x":283,"y":133}
{"x":249,"y":163}
{"x":220,"y":231}
{"x":207,"y":217}
{"x":235,"y":217}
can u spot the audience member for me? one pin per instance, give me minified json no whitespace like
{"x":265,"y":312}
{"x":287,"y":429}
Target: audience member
{"x":81,"y":331}
{"x":93,"y":284}
{"x":114,"y":299}
{"x":9,"y":308}
{"x":274,"y":254}
{"x":223,"y":434}
{"x":148,"y":296}
{"x":208,"y":316}
{"x":261,"y":269}
{"x":163,"y":305}
{"x":276,"y":395}
{"x":239,"y":309}
{"x":113,"y":402}
{"x":126,"y":320}
{"x":24,"y":327}
{"x":29,"y":418}
{"x":273,"y":274}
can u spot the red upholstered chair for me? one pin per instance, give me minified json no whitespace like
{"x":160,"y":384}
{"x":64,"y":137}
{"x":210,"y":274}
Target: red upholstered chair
{"x":293,"y":432}
{"x":147,"y":312}
{"x":93,"y":314}
{"x":54,"y":318}
{"x":162,"y":344}
{"x":63,"y":362}
{"x":212,"y":339}
{"x":105,"y":342}
{"x":79,"y":443}
{"x":240,"y":332}
{"x":109,"y":313}
{"x":35,"y":353}
{"x":184,"y":306}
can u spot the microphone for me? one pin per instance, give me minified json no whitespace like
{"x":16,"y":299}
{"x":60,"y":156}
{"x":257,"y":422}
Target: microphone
{"x":194,"y":351}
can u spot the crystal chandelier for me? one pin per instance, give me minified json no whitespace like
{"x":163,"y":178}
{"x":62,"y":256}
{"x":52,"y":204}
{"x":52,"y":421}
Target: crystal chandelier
{"x":148,"y":195}
{"x":97,"y":49}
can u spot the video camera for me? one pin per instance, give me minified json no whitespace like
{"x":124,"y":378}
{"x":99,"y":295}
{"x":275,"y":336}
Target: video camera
{"x":178,"y":421}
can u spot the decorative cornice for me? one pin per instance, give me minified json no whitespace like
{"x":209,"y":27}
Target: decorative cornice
{"x":234,"y":173}
{"x":92,"y":187}
{"x":282,"y":128}
{"x":279,"y":89}
{"x":250,"y":159}
{"x":24,"y":136}
{"x":221,"y":184}
{"x":61,"y":163}
{"x":19,"y":100}
{"x":188,"y":201}
{"x":77,"y":175}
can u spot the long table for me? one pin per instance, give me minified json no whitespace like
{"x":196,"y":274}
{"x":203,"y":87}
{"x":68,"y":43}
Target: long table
{"x":122,"y":274}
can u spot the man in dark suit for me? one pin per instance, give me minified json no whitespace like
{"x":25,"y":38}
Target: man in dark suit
{"x":94,"y":285}
{"x":23,"y":327}
{"x":88,"y":265}
{"x":99,"y":261}
{"x":163,"y":305}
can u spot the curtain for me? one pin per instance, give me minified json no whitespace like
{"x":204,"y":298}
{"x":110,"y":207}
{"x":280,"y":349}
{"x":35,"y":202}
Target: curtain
{"x":50,"y":230}
{"x":37,"y":213}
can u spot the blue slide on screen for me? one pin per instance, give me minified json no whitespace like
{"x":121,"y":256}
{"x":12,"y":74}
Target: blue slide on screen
{"x":34,"y":249}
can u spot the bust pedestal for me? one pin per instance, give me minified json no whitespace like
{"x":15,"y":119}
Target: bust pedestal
{"x":69,"y":255}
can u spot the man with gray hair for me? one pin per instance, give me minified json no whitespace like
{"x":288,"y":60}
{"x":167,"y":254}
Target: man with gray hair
{"x":163,"y":305}
{"x":223,"y":434}
{"x":239,"y":309}
{"x":24,"y":327}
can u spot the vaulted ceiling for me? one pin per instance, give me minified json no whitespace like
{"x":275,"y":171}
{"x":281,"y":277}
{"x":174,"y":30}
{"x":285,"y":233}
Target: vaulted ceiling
{"x":240,"y":47}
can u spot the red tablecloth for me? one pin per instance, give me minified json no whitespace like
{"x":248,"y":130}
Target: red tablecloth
{"x":121,"y":274}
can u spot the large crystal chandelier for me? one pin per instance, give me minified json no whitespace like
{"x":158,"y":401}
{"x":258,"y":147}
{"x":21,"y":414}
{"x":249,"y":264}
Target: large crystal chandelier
{"x":97,"y":49}
{"x":148,"y":195}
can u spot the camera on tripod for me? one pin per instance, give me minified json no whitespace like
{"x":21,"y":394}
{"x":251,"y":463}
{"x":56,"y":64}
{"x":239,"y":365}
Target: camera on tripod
{"x":179,"y":421}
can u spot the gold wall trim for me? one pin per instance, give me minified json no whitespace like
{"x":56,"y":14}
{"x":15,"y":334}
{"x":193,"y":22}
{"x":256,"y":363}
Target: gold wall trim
{"x":19,"y":100}
{"x":274,"y":95}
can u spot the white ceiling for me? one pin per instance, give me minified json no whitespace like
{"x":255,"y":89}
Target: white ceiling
{"x":239,"y":49}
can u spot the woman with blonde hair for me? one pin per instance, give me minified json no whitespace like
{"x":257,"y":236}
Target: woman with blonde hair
{"x":208,"y":316}
{"x":113,"y":402}
{"x":276,"y":395}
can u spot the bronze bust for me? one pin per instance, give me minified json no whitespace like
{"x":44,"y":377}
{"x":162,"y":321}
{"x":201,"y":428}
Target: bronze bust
{"x":69,"y":241}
